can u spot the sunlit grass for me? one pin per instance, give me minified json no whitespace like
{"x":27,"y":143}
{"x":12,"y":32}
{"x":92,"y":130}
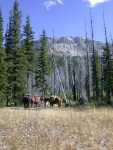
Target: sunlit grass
{"x":56,"y":129}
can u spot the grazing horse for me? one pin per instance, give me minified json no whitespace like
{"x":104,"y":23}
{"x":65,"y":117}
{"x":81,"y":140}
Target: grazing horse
{"x":26,"y":101}
{"x":53,"y":100}
{"x":45,"y":100}
{"x":36,"y":101}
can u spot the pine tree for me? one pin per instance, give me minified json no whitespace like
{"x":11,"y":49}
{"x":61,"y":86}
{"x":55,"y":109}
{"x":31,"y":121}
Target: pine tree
{"x":95,"y":68}
{"x":42,"y":70}
{"x":15,"y":55}
{"x":3,"y":64}
{"x":29,"y":49}
{"x":101,"y":80}
{"x":107,"y":74}
{"x":87,"y":84}
{"x":98,"y":77}
{"x":107,"y":68}
{"x":93,"y":62}
{"x":9,"y":53}
{"x":112,"y":67}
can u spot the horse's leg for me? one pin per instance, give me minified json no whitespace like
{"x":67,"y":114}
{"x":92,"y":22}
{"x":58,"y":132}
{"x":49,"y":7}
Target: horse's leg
{"x":51,"y":104}
{"x":45,"y":104}
{"x":59,"y":104}
{"x":31,"y":104}
{"x":24,"y":105}
{"x":27,"y":104}
{"x":36,"y":104}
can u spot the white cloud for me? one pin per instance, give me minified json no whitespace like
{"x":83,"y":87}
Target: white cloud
{"x":60,"y":2}
{"x":95,"y":2}
{"x":49,"y":3}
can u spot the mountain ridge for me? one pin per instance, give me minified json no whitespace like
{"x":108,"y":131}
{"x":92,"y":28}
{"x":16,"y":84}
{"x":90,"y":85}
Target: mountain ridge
{"x":73,"y":46}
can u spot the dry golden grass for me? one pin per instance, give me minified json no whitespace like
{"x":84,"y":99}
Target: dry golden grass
{"x":56,"y":129}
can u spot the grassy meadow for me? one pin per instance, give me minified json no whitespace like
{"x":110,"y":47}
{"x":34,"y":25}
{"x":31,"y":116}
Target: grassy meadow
{"x":56,"y":129}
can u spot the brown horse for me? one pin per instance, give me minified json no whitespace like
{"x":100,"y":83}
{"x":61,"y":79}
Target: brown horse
{"x":36,"y":101}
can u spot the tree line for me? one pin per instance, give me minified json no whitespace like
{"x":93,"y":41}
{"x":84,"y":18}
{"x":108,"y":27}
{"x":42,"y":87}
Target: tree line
{"x":98,"y":87}
{"x":99,"y":81}
{"x":18,"y":59}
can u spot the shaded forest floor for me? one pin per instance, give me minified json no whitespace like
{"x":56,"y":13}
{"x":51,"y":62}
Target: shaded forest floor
{"x":56,"y":129}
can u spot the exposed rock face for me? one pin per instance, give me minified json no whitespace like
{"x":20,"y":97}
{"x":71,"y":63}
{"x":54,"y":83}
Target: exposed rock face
{"x":73,"y":47}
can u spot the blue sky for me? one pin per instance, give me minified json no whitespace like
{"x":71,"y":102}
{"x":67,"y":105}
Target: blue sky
{"x":65,"y":17}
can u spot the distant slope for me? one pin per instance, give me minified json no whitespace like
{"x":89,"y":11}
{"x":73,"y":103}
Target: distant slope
{"x":74,"y":46}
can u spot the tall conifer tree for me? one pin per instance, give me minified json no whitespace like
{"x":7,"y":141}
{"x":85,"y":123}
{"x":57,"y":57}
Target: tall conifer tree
{"x":15,"y":54}
{"x":3,"y":65}
{"x":87,"y":84}
{"x":42,"y":70}
{"x":95,"y":66}
{"x":29,"y":50}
